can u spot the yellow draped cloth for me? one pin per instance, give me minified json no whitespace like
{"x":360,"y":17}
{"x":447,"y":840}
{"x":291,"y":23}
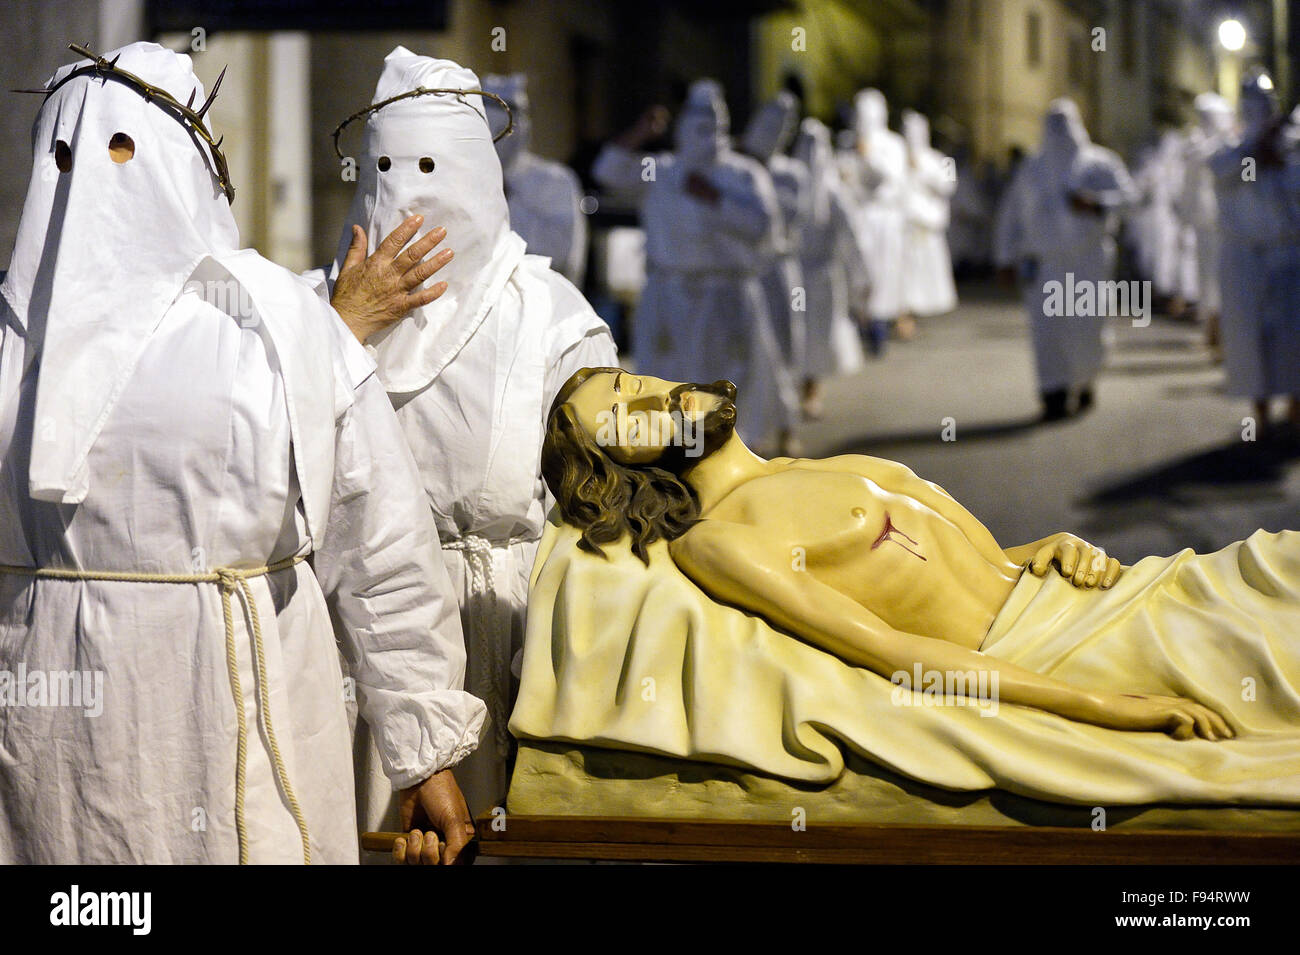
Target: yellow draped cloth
{"x":623,"y":656}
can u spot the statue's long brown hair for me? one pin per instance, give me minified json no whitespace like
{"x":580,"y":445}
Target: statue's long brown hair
{"x":603,"y":498}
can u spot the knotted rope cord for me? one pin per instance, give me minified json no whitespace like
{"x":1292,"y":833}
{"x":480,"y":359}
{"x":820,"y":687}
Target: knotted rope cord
{"x":230,"y":579}
{"x":477,"y":552}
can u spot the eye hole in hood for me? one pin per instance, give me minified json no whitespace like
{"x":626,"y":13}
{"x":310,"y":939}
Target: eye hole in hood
{"x":121,"y":148}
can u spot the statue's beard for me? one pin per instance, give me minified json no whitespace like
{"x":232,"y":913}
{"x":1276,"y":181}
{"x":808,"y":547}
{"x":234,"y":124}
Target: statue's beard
{"x":712,"y":431}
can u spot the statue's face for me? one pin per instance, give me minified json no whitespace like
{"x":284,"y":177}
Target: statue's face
{"x":638,"y":419}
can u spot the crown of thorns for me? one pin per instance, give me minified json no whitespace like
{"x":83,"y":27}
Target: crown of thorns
{"x":191,"y":119}
{"x":460,"y":94}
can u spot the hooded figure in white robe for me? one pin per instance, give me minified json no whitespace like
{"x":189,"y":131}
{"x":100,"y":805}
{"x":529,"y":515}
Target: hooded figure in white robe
{"x":878,"y":182}
{"x":1196,"y":202}
{"x":1173,"y":241}
{"x":471,"y":375}
{"x":766,"y":138}
{"x":543,"y":195}
{"x":835,"y":262}
{"x":928,"y":287}
{"x":1257,"y":181}
{"x":172,"y":407}
{"x":710,"y":216}
{"x":1056,"y":223}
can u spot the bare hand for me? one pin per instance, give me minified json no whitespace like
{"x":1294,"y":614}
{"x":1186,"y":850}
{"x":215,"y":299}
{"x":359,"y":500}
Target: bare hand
{"x":370,"y":294}
{"x":432,"y":809}
{"x":1079,"y":562}
{"x":1180,"y":718}
{"x":698,"y":185}
{"x":651,"y":124}
{"x":1081,"y":203}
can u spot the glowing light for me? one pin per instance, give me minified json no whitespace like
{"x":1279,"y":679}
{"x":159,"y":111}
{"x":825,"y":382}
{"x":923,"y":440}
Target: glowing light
{"x":1232,"y":35}
{"x":1264,"y":82}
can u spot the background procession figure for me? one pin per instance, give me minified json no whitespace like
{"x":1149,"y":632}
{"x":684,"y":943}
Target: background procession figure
{"x":183,"y":424}
{"x":544,"y":196}
{"x":767,"y":137}
{"x":876,"y":170}
{"x":1257,"y":181}
{"x":709,"y":215}
{"x":928,"y":287}
{"x":1056,"y":226}
{"x":471,"y":376}
{"x":835,"y":263}
{"x":1198,"y":206}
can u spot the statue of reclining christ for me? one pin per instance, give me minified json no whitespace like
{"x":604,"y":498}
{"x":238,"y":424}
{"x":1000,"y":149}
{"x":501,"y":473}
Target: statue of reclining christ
{"x":853,"y":554}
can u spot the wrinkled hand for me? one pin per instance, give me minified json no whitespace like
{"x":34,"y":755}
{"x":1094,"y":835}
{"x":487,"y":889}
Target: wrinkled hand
{"x":1079,"y":562}
{"x":432,"y":809}
{"x":1180,"y":718}
{"x":373,"y":293}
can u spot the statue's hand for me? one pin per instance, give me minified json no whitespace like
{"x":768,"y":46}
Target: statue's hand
{"x":1079,"y":562}
{"x":1180,"y":718}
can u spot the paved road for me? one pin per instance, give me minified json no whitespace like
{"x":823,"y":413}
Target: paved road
{"x":1157,"y":466}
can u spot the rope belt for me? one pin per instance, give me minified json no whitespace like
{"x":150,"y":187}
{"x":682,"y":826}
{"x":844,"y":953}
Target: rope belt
{"x":491,"y":621}
{"x":230,"y":579}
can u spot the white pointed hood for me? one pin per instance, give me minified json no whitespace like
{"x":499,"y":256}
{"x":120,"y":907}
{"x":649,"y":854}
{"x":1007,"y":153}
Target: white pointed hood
{"x":772,"y":127}
{"x":702,"y":133}
{"x":1064,"y":135}
{"x":104,"y":248}
{"x":1213,"y":114}
{"x":870,"y":114}
{"x":813,"y":148}
{"x":916,"y":132}
{"x":462,"y":192}
{"x":513,"y":88}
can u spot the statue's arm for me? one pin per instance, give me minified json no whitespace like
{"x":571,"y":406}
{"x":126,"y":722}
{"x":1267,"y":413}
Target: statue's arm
{"x":748,"y":568}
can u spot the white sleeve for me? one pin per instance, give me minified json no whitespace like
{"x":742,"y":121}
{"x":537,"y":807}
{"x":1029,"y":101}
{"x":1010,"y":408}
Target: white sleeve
{"x":620,"y":170}
{"x":576,"y":339}
{"x":394,"y":609}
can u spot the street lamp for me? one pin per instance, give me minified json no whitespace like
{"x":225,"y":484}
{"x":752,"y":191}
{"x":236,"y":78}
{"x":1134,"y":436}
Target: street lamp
{"x":1232,"y":35}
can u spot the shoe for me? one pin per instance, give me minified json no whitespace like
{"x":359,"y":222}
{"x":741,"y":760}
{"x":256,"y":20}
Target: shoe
{"x":1054,"y":405}
{"x":877,"y":335}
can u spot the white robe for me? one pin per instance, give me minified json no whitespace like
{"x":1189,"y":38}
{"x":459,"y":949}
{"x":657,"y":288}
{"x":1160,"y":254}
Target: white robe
{"x":543,"y":198}
{"x":703,"y":315}
{"x":835,"y":262}
{"x":476,"y":433}
{"x":1196,"y":202}
{"x":1037,"y":230}
{"x":928,"y":287}
{"x":1259,"y":272}
{"x":783,"y":275}
{"x":877,"y":178}
{"x":195,"y":469}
